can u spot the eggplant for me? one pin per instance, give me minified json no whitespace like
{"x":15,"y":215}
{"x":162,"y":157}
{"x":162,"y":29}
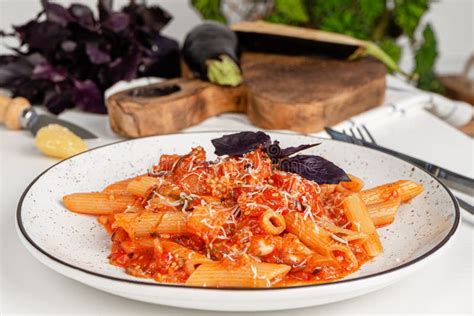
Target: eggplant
{"x":211,"y":51}
{"x":275,"y":38}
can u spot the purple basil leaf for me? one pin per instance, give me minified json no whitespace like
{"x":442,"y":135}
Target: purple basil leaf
{"x":125,"y":68}
{"x":56,"y":13}
{"x":56,"y":101}
{"x":13,"y":68}
{"x":88,"y":97}
{"x":43,"y":37}
{"x":96,"y":55}
{"x":16,"y":75}
{"x":105,"y":7}
{"x":155,"y":18}
{"x":83,"y":15}
{"x":149,"y":19}
{"x":240,"y":143}
{"x":7,"y":59}
{"x":275,"y":152}
{"x":116,"y":22}
{"x":47,"y":72}
{"x":287,"y":152}
{"x":68,"y":46}
{"x":314,"y":168}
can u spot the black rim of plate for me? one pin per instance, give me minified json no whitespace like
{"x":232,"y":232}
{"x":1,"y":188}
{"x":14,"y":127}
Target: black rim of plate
{"x":406,"y":264}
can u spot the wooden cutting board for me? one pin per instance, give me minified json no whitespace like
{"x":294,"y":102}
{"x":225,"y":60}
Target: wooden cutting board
{"x":299,"y":93}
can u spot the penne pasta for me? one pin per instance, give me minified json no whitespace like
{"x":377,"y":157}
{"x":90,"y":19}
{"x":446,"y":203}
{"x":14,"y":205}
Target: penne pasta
{"x":287,"y":249}
{"x":146,"y":223}
{"x":295,"y":283}
{"x":347,"y":253}
{"x":119,"y":186}
{"x":327,"y":189}
{"x":357,"y":214}
{"x":168,"y":161}
{"x":262,"y":245}
{"x":407,"y":190}
{"x":257,"y":274}
{"x":293,"y":252}
{"x":139,"y":224}
{"x":163,"y":203}
{"x":131,"y":246}
{"x":384,"y":213}
{"x":313,"y":236}
{"x":146,"y":242}
{"x":207,"y":221}
{"x":142,"y":186}
{"x":98,"y":203}
{"x":404,"y":189}
{"x":135,"y":209}
{"x":355,"y":185}
{"x":316,"y":261}
{"x":272,"y":223}
{"x":173,"y":222}
{"x":192,"y":258}
{"x":344,"y":233}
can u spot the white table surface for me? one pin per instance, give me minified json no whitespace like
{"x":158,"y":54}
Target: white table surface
{"x":27,"y":286}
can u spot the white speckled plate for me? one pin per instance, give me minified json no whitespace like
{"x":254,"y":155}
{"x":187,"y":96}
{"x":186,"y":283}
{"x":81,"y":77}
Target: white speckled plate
{"x":76,"y":246}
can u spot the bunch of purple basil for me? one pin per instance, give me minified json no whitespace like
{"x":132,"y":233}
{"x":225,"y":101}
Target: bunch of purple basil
{"x":68,"y":56}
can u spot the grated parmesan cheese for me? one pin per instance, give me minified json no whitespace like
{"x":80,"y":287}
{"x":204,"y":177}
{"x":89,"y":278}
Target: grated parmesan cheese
{"x":339,"y":239}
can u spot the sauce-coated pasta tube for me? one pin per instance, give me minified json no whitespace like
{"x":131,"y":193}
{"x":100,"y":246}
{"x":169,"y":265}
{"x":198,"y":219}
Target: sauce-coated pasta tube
{"x":255,"y":275}
{"x":384,"y":213}
{"x":138,"y":224}
{"x":355,"y":185}
{"x":190,"y":256}
{"x":141,"y":186}
{"x":313,"y":236}
{"x":357,"y":213}
{"x":272,"y":223}
{"x":404,"y":189}
{"x":119,"y":186}
{"x":207,"y":221}
{"x":173,"y":222}
{"x":146,"y":223}
{"x":98,"y":203}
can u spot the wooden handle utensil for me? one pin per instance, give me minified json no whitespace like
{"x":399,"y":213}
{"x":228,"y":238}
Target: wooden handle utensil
{"x":11,"y":111}
{"x":17,"y":113}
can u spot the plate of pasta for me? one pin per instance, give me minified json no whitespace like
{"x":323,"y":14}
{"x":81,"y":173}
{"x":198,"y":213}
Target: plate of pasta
{"x":236,"y":221}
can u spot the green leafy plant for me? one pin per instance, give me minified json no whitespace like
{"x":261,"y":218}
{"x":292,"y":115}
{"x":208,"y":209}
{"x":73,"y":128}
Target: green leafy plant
{"x":383,"y":22}
{"x":289,"y":12}
{"x":210,"y":9}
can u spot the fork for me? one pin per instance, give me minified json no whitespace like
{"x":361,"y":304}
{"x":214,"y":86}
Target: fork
{"x":352,"y":137}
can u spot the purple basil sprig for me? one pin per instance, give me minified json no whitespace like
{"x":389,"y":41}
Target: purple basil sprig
{"x":240,"y":143}
{"x":275,"y":152}
{"x":314,"y":168}
{"x":69,"y":56}
{"x":311,"y":167}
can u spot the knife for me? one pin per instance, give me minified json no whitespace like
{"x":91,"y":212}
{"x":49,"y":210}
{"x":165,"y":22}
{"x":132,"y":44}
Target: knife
{"x":449,"y":178}
{"x":17,"y":113}
{"x":33,"y":122}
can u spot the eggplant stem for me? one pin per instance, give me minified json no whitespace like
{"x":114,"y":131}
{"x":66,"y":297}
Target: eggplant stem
{"x":224,"y":71}
{"x":371,"y":49}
